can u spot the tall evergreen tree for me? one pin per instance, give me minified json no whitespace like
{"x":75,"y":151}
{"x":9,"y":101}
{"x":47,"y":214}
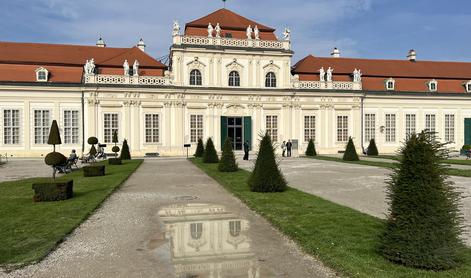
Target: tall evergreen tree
{"x":311,"y":148}
{"x":372,"y":149}
{"x":350,"y":152}
{"x":228,"y":161}
{"x":266,"y":175}
{"x":424,"y":224}
{"x":199,"y":148}
{"x":210,"y":155}
{"x":54,"y":158}
{"x":125,"y":154}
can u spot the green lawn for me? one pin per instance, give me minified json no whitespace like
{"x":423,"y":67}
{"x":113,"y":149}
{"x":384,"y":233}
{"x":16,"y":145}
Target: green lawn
{"x":448,"y":161}
{"x":29,"y":231}
{"x":343,"y":238}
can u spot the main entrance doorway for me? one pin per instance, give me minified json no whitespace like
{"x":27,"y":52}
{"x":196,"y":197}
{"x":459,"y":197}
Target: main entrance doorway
{"x":239,"y":129}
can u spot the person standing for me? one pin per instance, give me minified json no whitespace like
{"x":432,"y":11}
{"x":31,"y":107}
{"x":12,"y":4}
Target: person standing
{"x":289,"y":145}
{"x":246,"y":150}
{"x":283,"y":148}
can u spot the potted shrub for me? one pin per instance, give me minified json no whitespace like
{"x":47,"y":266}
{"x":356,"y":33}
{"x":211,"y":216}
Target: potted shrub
{"x":53,"y":190}
{"x":115,"y":160}
{"x":93,"y":170}
{"x":125,"y":154}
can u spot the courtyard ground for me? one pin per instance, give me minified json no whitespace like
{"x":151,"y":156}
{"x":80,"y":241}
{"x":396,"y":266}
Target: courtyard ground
{"x":24,"y":168}
{"x":357,"y":186}
{"x":126,"y":237}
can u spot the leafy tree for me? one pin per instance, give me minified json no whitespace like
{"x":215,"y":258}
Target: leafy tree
{"x":54,"y":158}
{"x":125,"y":154}
{"x":228,"y":161}
{"x":311,"y":148}
{"x":266,"y":175}
{"x":199,"y":148}
{"x":372,"y":149}
{"x":210,"y":155}
{"x":424,"y":224}
{"x":350,"y":152}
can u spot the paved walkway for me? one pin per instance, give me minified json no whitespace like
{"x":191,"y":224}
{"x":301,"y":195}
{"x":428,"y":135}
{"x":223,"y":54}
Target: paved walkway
{"x":357,"y":186}
{"x":19,"y":168}
{"x":171,"y":220}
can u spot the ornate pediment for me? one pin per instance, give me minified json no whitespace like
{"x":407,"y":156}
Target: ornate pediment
{"x":234,"y":65}
{"x":196,"y":64}
{"x":271,"y":67}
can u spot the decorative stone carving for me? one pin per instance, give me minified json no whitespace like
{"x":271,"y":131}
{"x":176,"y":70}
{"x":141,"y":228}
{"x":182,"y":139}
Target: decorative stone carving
{"x":89,"y":66}
{"x":218,"y":30}
{"x":210,"y":30}
{"x":175,"y":29}
{"x":196,"y":64}
{"x":135,"y":68}
{"x":287,"y":34}
{"x":356,"y":75}
{"x":321,"y":74}
{"x":249,"y":32}
{"x":256,"y":33}
{"x":234,"y":65}
{"x":126,"y":67}
{"x":329,"y":74}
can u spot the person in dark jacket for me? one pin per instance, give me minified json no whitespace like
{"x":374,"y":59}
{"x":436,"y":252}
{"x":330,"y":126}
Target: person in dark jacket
{"x":289,"y":145}
{"x":246,"y":150}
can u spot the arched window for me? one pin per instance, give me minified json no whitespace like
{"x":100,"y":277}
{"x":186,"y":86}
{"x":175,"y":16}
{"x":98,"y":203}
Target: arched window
{"x":195,"y":77}
{"x":270,"y":80}
{"x":234,"y":79}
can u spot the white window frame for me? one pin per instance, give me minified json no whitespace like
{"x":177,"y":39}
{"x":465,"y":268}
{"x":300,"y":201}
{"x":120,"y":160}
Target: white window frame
{"x":432,"y":85}
{"x":430,"y":122}
{"x":342,"y":128}
{"x":196,"y":127}
{"x":411,"y":124}
{"x":197,"y":78}
{"x":271,"y":127}
{"x":108,"y":138}
{"x":154,"y":128}
{"x":71,"y":127}
{"x":392,"y":82}
{"x":40,"y":71}
{"x":234,"y":79}
{"x":450,"y":128}
{"x":309,"y":128}
{"x":370,"y":126}
{"x":390,"y":127}
{"x":41,"y":128}
{"x":270,"y":82}
{"x":12,"y":125}
{"x":467,"y":86}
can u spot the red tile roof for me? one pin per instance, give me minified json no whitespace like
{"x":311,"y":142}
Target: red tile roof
{"x":230,"y":22}
{"x":409,"y":75}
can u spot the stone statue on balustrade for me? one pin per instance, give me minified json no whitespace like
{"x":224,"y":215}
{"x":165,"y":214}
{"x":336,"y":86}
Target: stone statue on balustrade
{"x":356,"y":75}
{"x":126,"y":67}
{"x":135,"y":68}
{"x":287,"y":34}
{"x":329,"y":74}
{"x":89,"y":67}
{"x":322,"y":74}
{"x":249,"y":32}
{"x":210,"y":30}
{"x":256,"y":32}
{"x":176,"y":29}
{"x":218,"y":31}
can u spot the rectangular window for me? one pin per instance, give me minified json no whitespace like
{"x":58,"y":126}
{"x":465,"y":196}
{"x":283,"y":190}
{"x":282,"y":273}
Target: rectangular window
{"x":342,"y":128}
{"x":390,"y":127}
{"x":196,"y":128}
{"x":271,"y":125}
{"x":309,"y":128}
{"x":370,"y":120}
{"x":410,"y":125}
{"x":11,"y":126}
{"x":152,"y":128}
{"x":41,"y":126}
{"x":450,"y":128}
{"x":430,"y":122}
{"x":110,"y":125}
{"x":71,"y":126}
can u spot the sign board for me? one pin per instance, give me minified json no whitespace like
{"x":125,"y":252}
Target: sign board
{"x":187,"y":145}
{"x":295,"y":144}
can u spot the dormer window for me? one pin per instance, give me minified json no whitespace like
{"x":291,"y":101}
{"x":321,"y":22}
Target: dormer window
{"x":390,"y":84}
{"x":42,"y":74}
{"x":432,"y":85}
{"x":467,"y":86}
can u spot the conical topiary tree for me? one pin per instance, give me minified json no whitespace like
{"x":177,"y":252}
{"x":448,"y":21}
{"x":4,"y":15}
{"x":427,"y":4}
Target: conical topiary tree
{"x":266,"y":176}
{"x":115,"y":148}
{"x":125,"y":154}
{"x":350,"y":152}
{"x":199,"y":148}
{"x":424,"y":224}
{"x":54,"y":158}
{"x":228,"y":161}
{"x":311,"y":148}
{"x":92,"y":141}
{"x":372,"y":149}
{"x":210,"y":155}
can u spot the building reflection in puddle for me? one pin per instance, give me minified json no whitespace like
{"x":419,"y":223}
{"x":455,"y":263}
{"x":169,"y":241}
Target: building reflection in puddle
{"x":208,"y":241}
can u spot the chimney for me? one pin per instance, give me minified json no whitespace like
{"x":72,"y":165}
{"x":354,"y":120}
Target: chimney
{"x":335,"y":53}
{"x":412,"y":55}
{"x":100,"y":43}
{"x":141,"y":45}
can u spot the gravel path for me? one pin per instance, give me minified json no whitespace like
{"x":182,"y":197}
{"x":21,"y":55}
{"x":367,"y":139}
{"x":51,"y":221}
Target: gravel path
{"x":171,"y":220}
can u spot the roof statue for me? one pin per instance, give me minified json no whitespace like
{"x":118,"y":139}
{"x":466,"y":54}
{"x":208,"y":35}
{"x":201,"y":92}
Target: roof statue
{"x":218,"y":31}
{"x":249,"y":32}
{"x":90,"y":66}
{"x":135,"y":68}
{"x":322,"y":74}
{"x":287,"y":34}
{"x":176,"y":28}
{"x":356,"y":75}
{"x":85,"y":67}
{"x":256,"y":32}
{"x":329,"y":74}
{"x":210,"y":30}
{"x":126,"y":67}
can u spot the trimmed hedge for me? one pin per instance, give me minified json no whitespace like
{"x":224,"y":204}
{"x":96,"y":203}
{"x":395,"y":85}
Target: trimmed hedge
{"x":125,"y":154}
{"x":53,"y":191}
{"x":311,"y":148}
{"x":115,"y":161}
{"x":372,"y":149}
{"x":210,"y":154}
{"x":94,"y":170}
{"x":228,"y":162}
{"x":199,"y":148}
{"x":350,"y":152}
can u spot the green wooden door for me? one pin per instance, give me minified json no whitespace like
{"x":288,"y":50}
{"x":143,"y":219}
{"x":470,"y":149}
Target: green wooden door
{"x":467,"y":131}
{"x":248,"y":131}
{"x":223,"y":130}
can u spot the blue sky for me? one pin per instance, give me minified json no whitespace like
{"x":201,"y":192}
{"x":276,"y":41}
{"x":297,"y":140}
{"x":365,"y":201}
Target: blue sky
{"x":436,"y":29}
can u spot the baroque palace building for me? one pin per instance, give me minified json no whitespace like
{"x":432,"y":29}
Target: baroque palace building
{"x":227,"y":76}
